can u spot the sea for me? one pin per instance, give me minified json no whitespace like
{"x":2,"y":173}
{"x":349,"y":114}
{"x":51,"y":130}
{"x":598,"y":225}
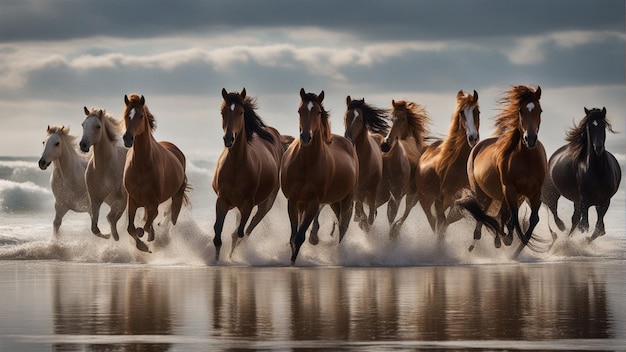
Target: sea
{"x":371,"y":292}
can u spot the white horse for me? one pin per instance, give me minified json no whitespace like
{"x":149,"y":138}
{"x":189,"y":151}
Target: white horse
{"x":105,"y":170}
{"x":68,"y":175}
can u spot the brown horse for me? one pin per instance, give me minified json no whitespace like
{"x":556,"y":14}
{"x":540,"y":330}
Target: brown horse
{"x":247,"y":171}
{"x":584,"y":172}
{"x":317,"y":168}
{"x":510,"y":167}
{"x":365,"y":128}
{"x":154,"y":171}
{"x":443,"y":165}
{"x":410,"y":127}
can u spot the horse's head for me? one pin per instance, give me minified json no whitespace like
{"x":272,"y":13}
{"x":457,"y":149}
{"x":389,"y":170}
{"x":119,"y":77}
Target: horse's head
{"x":93,"y":128}
{"x":530,"y":118}
{"x":52,"y":146}
{"x":399,"y":124}
{"x":353,"y":118}
{"x":232,"y":116}
{"x":469,"y":116}
{"x":137,"y":118}
{"x":596,"y":129}
{"x":313,"y":117}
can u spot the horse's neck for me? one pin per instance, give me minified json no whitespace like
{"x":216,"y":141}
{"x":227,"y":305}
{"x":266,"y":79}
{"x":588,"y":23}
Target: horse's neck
{"x":70,"y":164}
{"x":240,"y":150}
{"x":317,"y":149}
{"x":104,"y":151}
{"x":143,"y":146}
{"x":362,"y":143}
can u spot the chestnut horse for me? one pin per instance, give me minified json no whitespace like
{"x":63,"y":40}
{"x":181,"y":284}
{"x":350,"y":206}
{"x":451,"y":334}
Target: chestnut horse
{"x":584,"y":172}
{"x":508,"y":168}
{"x":443,"y":164}
{"x":247,"y":171}
{"x":318,"y":168}
{"x":68,"y":174}
{"x":409,"y":127}
{"x":154,"y":171}
{"x":105,"y":170}
{"x":365,"y":128}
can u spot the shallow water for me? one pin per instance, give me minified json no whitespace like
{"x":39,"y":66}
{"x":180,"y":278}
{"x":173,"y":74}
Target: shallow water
{"x":415,"y":292}
{"x":577,"y":305}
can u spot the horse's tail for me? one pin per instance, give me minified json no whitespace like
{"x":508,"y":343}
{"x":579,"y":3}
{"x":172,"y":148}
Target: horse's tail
{"x":469,"y":202}
{"x":185,"y":188}
{"x":286,"y":140}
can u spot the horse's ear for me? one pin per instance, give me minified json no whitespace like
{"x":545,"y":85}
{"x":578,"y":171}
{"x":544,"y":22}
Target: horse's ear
{"x":224,"y":93}
{"x":460,"y":95}
{"x":243,"y":93}
{"x":302,"y":93}
{"x":48,"y":129}
{"x":603,"y":110}
{"x":86,"y":110}
{"x":142,"y":100}
{"x":475,"y":100}
{"x":126,"y":100}
{"x":393,"y":102}
{"x":348,"y":100}
{"x":538,"y":93}
{"x":586,"y":111}
{"x":320,"y":97}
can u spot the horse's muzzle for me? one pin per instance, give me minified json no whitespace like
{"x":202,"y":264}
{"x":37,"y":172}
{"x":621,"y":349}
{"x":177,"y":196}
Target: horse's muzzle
{"x":84,"y":146}
{"x":386,"y":146}
{"x":229,"y":140}
{"x":305,"y":138}
{"x":530,"y":141}
{"x":43,"y":164}
{"x":472,"y":139}
{"x":128,"y":140}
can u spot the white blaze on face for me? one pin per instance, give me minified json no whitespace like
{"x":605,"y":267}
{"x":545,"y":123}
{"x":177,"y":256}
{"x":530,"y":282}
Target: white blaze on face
{"x":310,"y":106}
{"x":595,"y":123}
{"x":232,"y":107}
{"x":530,"y":107}
{"x":470,"y":127}
{"x":131,"y":114}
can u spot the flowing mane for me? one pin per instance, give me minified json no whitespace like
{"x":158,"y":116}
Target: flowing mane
{"x":253,"y":122}
{"x":62,"y":131}
{"x":507,"y":122}
{"x":375,"y":119}
{"x":577,"y":135}
{"x":114,"y":128}
{"x":453,"y":144}
{"x":417,"y":118}
{"x":135,"y":101}
{"x":326,"y":132}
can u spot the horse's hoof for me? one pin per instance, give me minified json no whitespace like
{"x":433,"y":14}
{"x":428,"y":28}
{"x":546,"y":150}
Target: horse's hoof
{"x":497,"y":242}
{"x":139,"y":232}
{"x":143,"y":247}
{"x":471,"y":248}
{"x":101,"y":235}
{"x":314,"y":240}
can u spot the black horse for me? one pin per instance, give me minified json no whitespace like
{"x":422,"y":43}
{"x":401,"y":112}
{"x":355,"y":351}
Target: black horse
{"x":584,"y":172}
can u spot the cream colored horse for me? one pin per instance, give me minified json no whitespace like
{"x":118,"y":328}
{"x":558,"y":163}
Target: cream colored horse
{"x":105,"y":170}
{"x":68,"y":174}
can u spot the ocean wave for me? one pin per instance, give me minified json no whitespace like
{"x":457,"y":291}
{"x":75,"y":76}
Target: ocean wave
{"x":23,"y":196}
{"x":24,"y":171}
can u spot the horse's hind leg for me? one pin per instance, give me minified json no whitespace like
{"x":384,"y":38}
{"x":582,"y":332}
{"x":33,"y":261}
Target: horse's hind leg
{"x":262,"y":209}
{"x":410,"y":201}
{"x":343,"y":210}
{"x":117,"y":209}
{"x":221,"y":209}
{"x":575,"y":217}
{"x":550,"y":197}
{"x":151,"y":214}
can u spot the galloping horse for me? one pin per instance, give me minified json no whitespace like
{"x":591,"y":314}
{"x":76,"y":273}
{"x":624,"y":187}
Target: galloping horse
{"x":365,"y":128}
{"x":509,"y":167}
{"x":443,"y":165}
{"x":584,"y":172}
{"x":105,"y":170}
{"x":409,"y":127}
{"x":317,"y":168}
{"x":154,"y":171}
{"x":68,"y":174}
{"x":247,"y":172}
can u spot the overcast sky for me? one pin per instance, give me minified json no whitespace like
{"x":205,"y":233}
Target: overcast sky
{"x":57,"y":56}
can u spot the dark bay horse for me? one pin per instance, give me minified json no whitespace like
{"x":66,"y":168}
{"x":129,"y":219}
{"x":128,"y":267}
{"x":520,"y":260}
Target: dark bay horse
{"x":247,"y":171}
{"x":443,"y":164}
{"x":584,"y":172}
{"x":105,"y":171}
{"x":410,"y":128}
{"x":509,"y":168}
{"x":365,"y":127}
{"x":318,"y":168}
{"x":154,"y":171}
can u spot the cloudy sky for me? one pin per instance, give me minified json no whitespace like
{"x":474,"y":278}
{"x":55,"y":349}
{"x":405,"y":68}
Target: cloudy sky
{"x":57,"y":56}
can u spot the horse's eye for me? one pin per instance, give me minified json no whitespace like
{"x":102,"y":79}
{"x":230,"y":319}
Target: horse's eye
{"x":57,"y":144}
{"x":98,"y":127}
{"x":44,"y":142}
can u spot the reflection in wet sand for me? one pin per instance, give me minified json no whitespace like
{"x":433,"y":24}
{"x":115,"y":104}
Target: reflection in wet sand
{"x":294,"y":307}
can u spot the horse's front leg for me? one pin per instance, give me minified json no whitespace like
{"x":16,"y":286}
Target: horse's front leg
{"x":151,"y":214}
{"x":575,"y":217}
{"x":117,"y":209}
{"x":511,"y":198}
{"x":132,"y":230}
{"x":309,"y":214}
{"x":601,"y":210}
{"x":59,"y":213}
{"x":95,"y":216}
{"x":584,"y":215}
{"x":237,"y":235}
{"x":221,"y":209}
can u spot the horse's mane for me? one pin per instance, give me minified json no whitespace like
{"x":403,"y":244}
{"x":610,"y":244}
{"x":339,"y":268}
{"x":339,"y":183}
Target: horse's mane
{"x":507,"y":121}
{"x":577,"y":135}
{"x":375,"y":119}
{"x":253,"y":122}
{"x":417,"y":118}
{"x":135,"y":101}
{"x":62,"y":131}
{"x":112,"y":126}
{"x":452,"y":146}
{"x":326,"y":133}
